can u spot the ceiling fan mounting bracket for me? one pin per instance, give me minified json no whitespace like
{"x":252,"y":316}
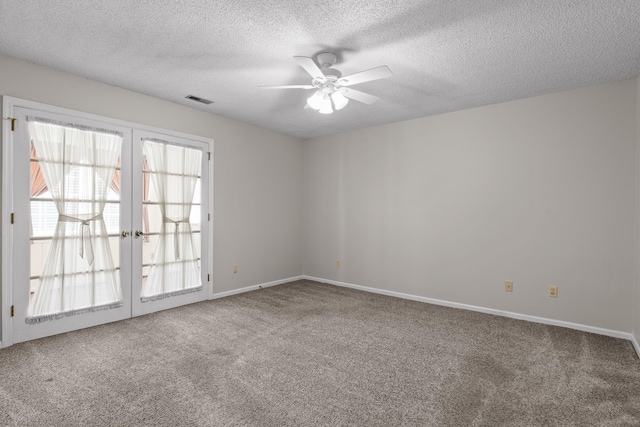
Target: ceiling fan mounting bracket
{"x":326,"y":59}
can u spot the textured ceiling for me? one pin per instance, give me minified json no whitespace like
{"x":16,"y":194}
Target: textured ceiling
{"x":445,"y":54}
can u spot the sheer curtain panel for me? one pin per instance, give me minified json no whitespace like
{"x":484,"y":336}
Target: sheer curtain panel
{"x":174,"y":171}
{"x":78,"y":165}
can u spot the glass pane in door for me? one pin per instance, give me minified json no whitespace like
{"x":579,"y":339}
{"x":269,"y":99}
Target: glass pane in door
{"x":171,"y":218}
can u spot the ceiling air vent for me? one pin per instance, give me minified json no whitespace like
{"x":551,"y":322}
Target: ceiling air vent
{"x":198,"y":99}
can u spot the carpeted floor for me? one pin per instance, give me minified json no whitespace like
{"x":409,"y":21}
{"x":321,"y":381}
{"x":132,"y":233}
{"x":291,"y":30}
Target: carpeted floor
{"x":305,"y":354}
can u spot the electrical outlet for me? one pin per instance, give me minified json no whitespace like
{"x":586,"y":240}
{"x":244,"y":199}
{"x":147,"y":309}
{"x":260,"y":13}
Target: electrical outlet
{"x":508,"y":286}
{"x":235,"y":268}
{"x":553,"y":291}
{"x":338,"y":263}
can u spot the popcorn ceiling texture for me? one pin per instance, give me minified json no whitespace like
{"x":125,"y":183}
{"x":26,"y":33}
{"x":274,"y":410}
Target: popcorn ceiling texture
{"x":446,"y":55}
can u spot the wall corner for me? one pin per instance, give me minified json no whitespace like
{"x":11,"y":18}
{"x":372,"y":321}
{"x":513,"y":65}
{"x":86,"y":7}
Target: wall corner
{"x":636,"y":284}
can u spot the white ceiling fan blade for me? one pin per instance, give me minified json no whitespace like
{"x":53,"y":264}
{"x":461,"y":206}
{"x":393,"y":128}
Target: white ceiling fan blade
{"x":356,"y":95}
{"x":288,"y":87}
{"x":377,"y":73}
{"x":310,"y":67}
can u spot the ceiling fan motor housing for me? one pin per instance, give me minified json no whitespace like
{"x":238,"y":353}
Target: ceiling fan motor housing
{"x":331,"y":73}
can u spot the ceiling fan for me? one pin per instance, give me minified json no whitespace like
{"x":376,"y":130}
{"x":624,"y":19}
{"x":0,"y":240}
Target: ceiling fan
{"x":332,"y":90}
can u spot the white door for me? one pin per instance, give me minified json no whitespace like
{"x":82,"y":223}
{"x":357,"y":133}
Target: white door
{"x":170,"y":216}
{"x":72,"y":264}
{"x":108,"y":222}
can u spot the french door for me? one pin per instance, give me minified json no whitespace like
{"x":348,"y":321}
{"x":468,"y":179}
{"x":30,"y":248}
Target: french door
{"x":109,"y":222}
{"x":171,"y":201}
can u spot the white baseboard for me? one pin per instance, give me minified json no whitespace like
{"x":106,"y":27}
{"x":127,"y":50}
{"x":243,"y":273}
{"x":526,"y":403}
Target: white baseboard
{"x":519,"y":316}
{"x":634,"y":341}
{"x":255,"y":287}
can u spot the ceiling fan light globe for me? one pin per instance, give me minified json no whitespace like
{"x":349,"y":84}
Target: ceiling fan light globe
{"x":339,"y":100}
{"x":326,"y":106}
{"x":315,"y":100}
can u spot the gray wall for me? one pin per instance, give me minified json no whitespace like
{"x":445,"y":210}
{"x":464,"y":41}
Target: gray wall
{"x":258,"y":173}
{"x":539,"y":191}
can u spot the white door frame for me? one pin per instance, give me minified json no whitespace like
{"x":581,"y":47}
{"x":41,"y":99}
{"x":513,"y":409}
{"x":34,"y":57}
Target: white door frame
{"x":9,"y":105}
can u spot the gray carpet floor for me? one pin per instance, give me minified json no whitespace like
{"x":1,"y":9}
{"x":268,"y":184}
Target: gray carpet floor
{"x":306,"y":354}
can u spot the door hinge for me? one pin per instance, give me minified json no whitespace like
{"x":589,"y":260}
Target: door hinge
{"x":13,"y":123}
{"x":208,"y":277}
{"x":12,"y":217}
{"x":13,"y":310}
{"x":209,"y":153}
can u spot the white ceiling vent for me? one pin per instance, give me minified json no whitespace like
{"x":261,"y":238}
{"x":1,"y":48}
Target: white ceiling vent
{"x":198,"y":99}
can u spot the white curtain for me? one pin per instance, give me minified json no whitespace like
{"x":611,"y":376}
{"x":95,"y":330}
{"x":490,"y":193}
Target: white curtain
{"x":78,"y":165}
{"x":174,"y":172}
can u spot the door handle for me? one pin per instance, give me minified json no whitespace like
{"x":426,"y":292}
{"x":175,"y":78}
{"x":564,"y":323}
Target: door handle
{"x":125,"y":233}
{"x":139,"y":233}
